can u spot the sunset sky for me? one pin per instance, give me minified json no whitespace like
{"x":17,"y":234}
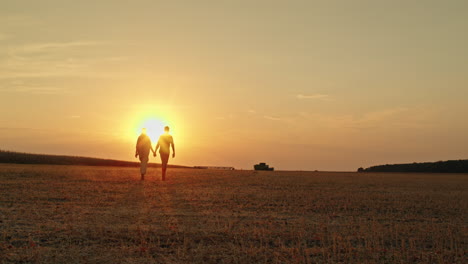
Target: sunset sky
{"x":301,"y":85}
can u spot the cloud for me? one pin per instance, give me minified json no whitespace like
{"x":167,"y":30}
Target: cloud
{"x":35,"y":90}
{"x":312,"y":96}
{"x":271,"y":118}
{"x":50,"y":46}
{"x":397,"y":117}
{"x":28,"y":85}
{"x":55,"y":59}
{"x":382,"y":115}
{"x":229,"y":116}
{"x":15,"y":128}
{"x":16,"y":21}
{"x":4,"y":36}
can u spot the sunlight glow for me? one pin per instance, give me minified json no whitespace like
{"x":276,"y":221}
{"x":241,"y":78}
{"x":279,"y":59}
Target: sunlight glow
{"x":153,"y":117}
{"x":154,"y":127}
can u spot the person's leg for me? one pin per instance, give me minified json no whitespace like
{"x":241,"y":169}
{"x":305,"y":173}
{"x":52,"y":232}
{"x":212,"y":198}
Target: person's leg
{"x":164,"y":160}
{"x":143,"y":166}
{"x":164,"y":166}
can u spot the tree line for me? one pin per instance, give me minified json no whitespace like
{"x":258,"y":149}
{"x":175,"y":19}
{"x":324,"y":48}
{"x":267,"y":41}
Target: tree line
{"x":450,"y":166}
{"x":28,"y":158}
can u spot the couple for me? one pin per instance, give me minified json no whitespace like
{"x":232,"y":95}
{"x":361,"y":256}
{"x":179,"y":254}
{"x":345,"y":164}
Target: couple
{"x":143,"y":147}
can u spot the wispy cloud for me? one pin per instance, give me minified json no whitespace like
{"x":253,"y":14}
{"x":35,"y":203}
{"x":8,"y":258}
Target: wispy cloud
{"x":4,"y":36}
{"x":14,"y":21}
{"x":31,"y":86}
{"x":49,"y":47}
{"x":312,"y":96}
{"x":382,"y":115}
{"x":226,"y":117}
{"x":397,"y":117}
{"x":55,"y":59}
{"x":15,"y":128}
{"x":35,"y":90}
{"x":271,"y":118}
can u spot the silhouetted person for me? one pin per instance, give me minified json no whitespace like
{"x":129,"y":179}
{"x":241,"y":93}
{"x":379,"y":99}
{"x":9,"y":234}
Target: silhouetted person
{"x":165,"y":142}
{"x":143,"y":147}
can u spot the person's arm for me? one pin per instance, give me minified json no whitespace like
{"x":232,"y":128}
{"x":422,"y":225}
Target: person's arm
{"x":155,"y":149}
{"x":151,"y":147}
{"x":136,"y":148}
{"x":173,"y":148}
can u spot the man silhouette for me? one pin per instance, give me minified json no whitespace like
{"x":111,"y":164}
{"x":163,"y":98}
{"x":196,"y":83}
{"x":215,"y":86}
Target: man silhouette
{"x":165,"y":142}
{"x":143,"y":147}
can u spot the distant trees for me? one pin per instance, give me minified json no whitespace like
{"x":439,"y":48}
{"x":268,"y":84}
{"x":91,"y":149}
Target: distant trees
{"x":450,"y":166}
{"x":27,"y":158}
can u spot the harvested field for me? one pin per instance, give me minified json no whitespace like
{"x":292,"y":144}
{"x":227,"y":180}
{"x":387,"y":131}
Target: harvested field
{"x":78,"y":214}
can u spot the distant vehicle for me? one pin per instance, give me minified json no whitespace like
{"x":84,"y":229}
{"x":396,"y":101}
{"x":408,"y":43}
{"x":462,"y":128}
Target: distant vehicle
{"x":263,"y":166}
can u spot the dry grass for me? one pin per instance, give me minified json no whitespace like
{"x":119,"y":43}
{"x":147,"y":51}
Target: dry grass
{"x":72,"y":214}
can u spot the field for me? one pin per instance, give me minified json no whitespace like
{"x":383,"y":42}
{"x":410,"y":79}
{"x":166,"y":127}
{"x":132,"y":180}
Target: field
{"x":78,"y":214}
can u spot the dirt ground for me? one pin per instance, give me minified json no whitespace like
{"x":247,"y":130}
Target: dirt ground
{"x":74,"y":214}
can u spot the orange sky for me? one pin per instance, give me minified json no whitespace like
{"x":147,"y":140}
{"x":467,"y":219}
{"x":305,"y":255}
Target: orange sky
{"x":327,"y":85}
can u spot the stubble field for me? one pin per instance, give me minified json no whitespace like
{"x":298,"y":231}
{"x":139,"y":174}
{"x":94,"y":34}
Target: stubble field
{"x":73,"y":214}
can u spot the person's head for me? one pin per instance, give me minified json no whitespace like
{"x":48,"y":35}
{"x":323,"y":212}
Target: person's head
{"x":143,"y":130}
{"x":166,"y":129}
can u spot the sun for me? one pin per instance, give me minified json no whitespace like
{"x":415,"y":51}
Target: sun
{"x":153,"y":118}
{"x":154,"y":127}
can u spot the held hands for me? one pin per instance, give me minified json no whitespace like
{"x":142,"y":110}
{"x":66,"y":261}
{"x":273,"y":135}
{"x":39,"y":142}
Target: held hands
{"x":154,"y":155}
